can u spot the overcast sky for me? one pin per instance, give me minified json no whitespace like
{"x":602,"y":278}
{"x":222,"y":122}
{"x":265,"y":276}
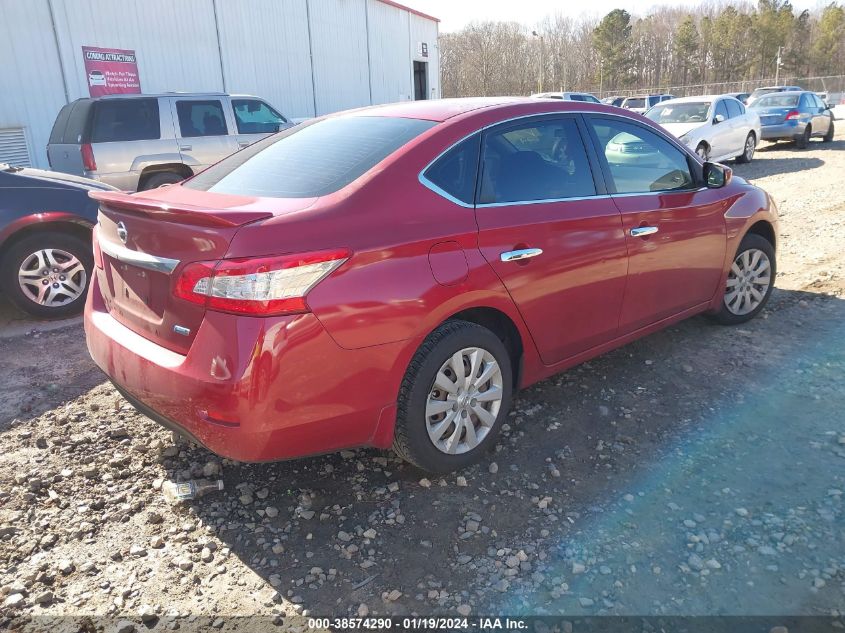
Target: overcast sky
{"x":454,"y":14}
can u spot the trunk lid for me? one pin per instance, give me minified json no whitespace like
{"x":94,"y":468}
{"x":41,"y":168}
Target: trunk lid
{"x":773,"y":116}
{"x":147,"y":239}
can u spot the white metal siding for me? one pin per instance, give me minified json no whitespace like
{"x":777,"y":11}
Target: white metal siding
{"x":391,"y":74}
{"x":14,"y":149}
{"x":339,"y":45}
{"x":31,"y":90}
{"x":175,"y":42}
{"x":265,"y":52}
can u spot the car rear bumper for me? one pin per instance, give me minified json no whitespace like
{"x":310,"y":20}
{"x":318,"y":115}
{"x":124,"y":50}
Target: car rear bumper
{"x":786,"y":130}
{"x":253,"y":389}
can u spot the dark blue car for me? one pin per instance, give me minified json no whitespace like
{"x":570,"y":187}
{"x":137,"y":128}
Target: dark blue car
{"x":794,"y":116}
{"x":45,"y":239}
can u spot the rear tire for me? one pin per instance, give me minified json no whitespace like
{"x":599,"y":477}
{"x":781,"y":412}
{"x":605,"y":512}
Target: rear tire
{"x":431,"y":389}
{"x":828,"y":137}
{"x":47,"y":274}
{"x":802,"y":141}
{"x":749,"y":147}
{"x":745,"y":295}
{"x":160,"y":179}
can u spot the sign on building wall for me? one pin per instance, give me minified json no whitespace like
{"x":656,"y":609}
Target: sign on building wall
{"x":422,"y":49}
{"x":110,"y":71}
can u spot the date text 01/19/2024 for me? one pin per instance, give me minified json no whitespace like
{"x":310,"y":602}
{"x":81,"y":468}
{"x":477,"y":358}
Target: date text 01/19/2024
{"x":418,"y":624}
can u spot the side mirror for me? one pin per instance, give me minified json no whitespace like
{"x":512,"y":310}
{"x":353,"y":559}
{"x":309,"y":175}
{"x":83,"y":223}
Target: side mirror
{"x":716,"y":176}
{"x":718,"y":118}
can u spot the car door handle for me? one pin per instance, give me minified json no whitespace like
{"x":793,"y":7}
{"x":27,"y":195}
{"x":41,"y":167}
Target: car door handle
{"x":523,"y":253}
{"x":242,"y":145}
{"x":185,"y":148}
{"x":642,"y":231}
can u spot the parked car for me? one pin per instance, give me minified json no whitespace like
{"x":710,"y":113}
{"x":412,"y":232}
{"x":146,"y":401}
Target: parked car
{"x":45,"y":239}
{"x":794,"y":116}
{"x":360,"y":280}
{"x":740,"y":96}
{"x":96,"y":78}
{"x":614,"y":101}
{"x":568,"y":96}
{"x":642,"y":103}
{"x":716,"y":127}
{"x":145,"y":141}
{"x":765,"y":90}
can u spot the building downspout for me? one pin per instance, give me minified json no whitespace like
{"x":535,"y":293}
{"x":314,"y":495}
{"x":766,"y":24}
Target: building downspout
{"x":58,"y":50}
{"x":311,"y":54}
{"x":369,"y":62}
{"x":219,"y":44}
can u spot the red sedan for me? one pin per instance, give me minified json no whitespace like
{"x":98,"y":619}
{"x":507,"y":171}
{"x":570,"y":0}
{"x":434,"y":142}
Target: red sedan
{"x":388,"y":276}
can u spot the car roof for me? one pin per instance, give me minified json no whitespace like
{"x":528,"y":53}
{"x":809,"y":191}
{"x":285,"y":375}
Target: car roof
{"x":697,"y":99}
{"x":440,"y":110}
{"x":174,"y":94}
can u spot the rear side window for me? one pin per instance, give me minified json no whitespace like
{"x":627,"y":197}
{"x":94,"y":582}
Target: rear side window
{"x":540,"y":160}
{"x":310,"y":160}
{"x":201,"y":118}
{"x":734,"y":108}
{"x":77,"y":122}
{"x":455,"y":172}
{"x":125,"y":120}
{"x":57,"y":133}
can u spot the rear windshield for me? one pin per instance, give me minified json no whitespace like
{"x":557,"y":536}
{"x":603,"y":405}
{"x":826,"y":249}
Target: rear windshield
{"x":777,"y":101}
{"x":125,"y":120}
{"x":310,"y":160}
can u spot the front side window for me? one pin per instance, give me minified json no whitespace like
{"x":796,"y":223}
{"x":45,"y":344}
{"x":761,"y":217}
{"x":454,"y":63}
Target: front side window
{"x":125,"y":120}
{"x":455,"y":172}
{"x":310,"y":160}
{"x":734,"y":108}
{"x":639,"y":160}
{"x":540,"y":160}
{"x":722,"y":109}
{"x":256,"y":117}
{"x":201,"y":118}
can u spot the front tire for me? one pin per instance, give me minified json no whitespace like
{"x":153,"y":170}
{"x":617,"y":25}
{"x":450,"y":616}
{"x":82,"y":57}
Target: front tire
{"x":46,"y":274}
{"x":749,"y":147}
{"x":750,"y":281}
{"x":828,"y":137}
{"x":455,"y":394}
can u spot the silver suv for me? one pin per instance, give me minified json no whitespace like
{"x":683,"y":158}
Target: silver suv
{"x":137,"y":142}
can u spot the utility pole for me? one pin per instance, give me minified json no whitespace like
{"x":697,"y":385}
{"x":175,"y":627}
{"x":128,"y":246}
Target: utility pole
{"x":540,"y":64}
{"x":601,"y":77}
{"x":777,"y":65}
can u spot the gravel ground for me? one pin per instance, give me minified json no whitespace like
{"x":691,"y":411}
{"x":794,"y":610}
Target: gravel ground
{"x":698,"y":471}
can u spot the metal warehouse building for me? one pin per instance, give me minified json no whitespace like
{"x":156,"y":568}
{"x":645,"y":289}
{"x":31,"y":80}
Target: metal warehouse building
{"x":305,"y":57}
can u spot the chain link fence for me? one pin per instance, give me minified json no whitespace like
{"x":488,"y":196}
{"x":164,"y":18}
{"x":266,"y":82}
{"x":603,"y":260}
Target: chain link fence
{"x":833,"y":85}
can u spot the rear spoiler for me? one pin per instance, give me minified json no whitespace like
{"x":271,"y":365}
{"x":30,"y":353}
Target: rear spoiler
{"x":181,"y":213}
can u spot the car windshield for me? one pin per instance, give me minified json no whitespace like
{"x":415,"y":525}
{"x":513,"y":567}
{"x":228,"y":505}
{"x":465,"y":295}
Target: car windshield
{"x":637,"y":102}
{"x":680,"y":112}
{"x":777,"y":101}
{"x":310,"y":160}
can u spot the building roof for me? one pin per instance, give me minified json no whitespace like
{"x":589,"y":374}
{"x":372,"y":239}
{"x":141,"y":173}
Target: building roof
{"x":410,"y":10}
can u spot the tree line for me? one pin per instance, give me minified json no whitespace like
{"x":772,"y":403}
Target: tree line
{"x":714,"y":43}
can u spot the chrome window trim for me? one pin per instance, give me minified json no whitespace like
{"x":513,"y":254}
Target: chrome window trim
{"x":443,"y":194}
{"x":136,"y":258}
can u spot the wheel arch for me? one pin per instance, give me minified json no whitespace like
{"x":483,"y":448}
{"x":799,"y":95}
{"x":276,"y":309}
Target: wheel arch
{"x":764,"y":229}
{"x":35,"y":224}
{"x":177,"y":168}
{"x":502,"y":326}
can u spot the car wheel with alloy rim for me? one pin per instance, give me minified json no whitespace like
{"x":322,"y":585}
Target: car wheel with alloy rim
{"x":748,"y":149}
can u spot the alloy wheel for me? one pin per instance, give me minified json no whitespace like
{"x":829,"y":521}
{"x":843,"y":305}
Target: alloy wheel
{"x":52,"y":277}
{"x":749,"y":148}
{"x":748,"y":281}
{"x":464,"y":401}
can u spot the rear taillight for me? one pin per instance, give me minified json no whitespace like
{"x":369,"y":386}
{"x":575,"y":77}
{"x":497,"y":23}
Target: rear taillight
{"x":98,"y":253}
{"x":88,"y":161}
{"x":260,"y":286}
{"x":793,"y":115}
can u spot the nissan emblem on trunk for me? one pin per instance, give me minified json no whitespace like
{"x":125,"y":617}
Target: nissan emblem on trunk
{"x":122,"y":233}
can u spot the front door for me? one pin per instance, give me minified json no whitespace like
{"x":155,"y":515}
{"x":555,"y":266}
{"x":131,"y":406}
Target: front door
{"x":674,"y":227}
{"x":553,"y":238}
{"x":202,"y":131}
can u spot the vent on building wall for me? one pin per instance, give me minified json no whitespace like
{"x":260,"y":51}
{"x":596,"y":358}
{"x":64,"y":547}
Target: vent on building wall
{"x":14,"y":149}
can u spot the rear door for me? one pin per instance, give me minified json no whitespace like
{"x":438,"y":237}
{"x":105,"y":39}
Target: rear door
{"x":254,"y":120}
{"x":64,"y":150}
{"x":675,"y":229}
{"x":821,"y":118}
{"x":203,"y":132}
{"x":553,"y":238}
